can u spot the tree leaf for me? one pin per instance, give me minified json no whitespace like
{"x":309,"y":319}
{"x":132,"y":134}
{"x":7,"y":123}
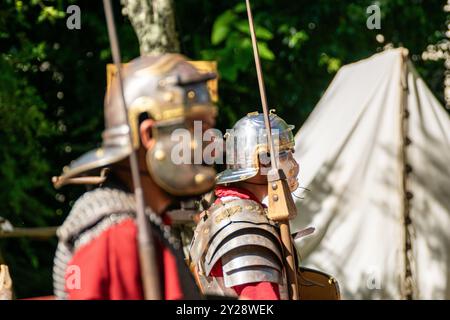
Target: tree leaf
{"x":265,"y":52}
{"x":261,"y":32}
{"x":221,"y":26}
{"x":240,"y":7}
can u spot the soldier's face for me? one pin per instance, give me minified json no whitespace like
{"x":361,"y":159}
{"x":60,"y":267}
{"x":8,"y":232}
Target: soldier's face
{"x":287,"y":163}
{"x":290,"y":168}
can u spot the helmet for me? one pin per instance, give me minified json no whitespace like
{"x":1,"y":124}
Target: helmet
{"x":167,"y":89}
{"x":247,"y":146}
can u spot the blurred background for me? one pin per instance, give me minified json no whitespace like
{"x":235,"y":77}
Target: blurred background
{"x":52,"y":84}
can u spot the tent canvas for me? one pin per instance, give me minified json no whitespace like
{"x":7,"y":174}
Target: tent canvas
{"x":375,"y":150}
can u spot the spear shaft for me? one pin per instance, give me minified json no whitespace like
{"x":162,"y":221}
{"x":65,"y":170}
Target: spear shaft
{"x":281,"y":204}
{"x":147,"y":253}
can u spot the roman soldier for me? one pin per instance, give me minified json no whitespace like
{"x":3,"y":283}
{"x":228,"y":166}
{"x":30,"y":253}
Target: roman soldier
{"x":236,"y":249}
{"x":97,"y":241}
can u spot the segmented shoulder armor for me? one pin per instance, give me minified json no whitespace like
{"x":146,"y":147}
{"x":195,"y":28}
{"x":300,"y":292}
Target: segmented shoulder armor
{"x":238,"y":233}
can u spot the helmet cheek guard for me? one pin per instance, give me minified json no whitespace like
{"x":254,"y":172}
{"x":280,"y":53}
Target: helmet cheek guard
{"x":171,"y":165}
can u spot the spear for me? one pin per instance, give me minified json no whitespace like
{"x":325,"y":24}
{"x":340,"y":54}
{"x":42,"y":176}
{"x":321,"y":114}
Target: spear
{"x":281,"y":205}
{"x":147,"y":254}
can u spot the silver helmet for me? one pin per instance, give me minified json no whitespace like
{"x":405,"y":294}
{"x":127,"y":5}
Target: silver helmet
{"x":247,"y":146}
{"x":167,"y":89}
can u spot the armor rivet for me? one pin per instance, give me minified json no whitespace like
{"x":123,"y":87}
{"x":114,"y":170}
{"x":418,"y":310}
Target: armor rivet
{"x":191,"y":94}
{"x":274,"y":186}
{"x":275,"y":197}
{"x":199,"y":178}
{"x":160,"y":155}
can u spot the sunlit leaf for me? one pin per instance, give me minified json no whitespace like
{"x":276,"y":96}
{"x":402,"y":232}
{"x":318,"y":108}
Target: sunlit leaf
{"x":221,"y":26}
{"x":261,"y":32}
{"x":265,"y":52}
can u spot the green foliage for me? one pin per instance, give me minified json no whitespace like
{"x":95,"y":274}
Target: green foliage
{"x":231,"y":29}
{"x":333,"y":64}
{"x":52,"y":84}
{"x":25,"y":167}
{"x":51,"y":14}
{"x":307,"y":42}
{"x":222,"y":27}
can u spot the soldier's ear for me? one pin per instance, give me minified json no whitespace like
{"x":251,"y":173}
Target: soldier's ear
{"x":145,"y":131}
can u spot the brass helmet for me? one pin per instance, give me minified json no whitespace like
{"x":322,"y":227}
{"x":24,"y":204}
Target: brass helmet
{"x":247,"y":147}
{"x":169,"y":90}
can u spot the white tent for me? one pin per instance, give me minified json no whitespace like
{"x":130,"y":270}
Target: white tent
{"x":375,"y":155}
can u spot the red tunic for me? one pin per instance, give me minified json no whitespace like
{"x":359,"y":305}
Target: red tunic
{"x":253,"y":291}
{"x":109,"y":267}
